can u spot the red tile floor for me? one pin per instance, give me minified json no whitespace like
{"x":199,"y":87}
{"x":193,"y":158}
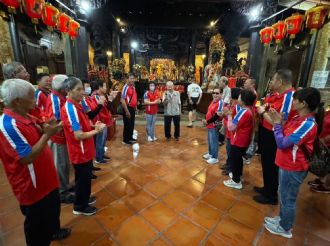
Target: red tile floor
{"x":170,"y":196}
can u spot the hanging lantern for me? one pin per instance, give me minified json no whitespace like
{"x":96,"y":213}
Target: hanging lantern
{"x":12,"y":5}
{"x":266,"y":35}
{"x":50,"y":16}
{"x":63,"y":22}
{"x":294,"y":25}
{"x":73,"y":29}
{"x":278,"y":31}
{"x":315,"y":17}
{"x":33,"y":8}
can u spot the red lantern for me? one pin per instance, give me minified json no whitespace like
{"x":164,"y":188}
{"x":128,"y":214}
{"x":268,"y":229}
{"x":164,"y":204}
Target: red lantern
{"x":63,"y":22}
{"x":315,"y":17}
{"x":12,"y":5}
{"x":294,"y":25}
{"x":50,"y":16}
{"x":33,"y":8}
{"x":266,"y":35}
{"x":279,"y":31}
{"x":73,"y":29}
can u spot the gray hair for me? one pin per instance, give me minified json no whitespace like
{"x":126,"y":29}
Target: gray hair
{"x":58,"y":81}
{"x":70,"y":83}
{"x":224,"y":79}
{"x":12,"y":89}
{"x":10,"y":69}
{"x":169,"y":83}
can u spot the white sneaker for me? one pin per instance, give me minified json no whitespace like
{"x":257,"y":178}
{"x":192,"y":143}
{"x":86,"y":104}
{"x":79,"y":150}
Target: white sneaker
{"x":207,"y":156}
{"x":231,"y":175}
{"x":232,"y":184}
{"x":212,"y":161}
{"x":149,"y":139}
{"x":272,"y":220}
{"x":155,"y":139}
{"x":278,"y":230}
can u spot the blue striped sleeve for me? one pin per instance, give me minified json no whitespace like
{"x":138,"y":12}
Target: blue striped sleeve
{"x":56,"y":106}
{"x":220,"y":106}
{"x":85,"y":106}
{"x":145,"y":95}
{"x":286,"y":106}
{"x":14,"y":136}
{"x":124,"y":93}
{"x":73,"y":117}
{"x":239,"y":116}
{"x":304,"y":128}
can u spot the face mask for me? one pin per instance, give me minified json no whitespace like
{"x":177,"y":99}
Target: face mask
{"x":152,"y":88}
{"x":88,"y":90}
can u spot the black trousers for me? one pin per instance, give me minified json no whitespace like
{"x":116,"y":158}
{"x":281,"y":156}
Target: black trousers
{"x":167,"y":125}
{"x":42,"y":219}
{"x":268,"y":149}
{"x":129,"y":125}
{"x":83,"y":183}
{"x":236,"y":161}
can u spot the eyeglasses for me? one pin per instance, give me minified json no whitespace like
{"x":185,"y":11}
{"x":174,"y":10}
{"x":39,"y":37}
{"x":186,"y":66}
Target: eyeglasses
{"x":217,"y":93}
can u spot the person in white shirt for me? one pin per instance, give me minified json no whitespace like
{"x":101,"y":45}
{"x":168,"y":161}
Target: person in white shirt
{"x":194,"y":97}
{"x":226,"y":90}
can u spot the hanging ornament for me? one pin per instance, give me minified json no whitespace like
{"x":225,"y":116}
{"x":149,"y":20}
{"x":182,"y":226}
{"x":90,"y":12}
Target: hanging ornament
{"x":63,"y":22}
{"x":33,"y":8}
{"x":73,"y":29}
{"x":266,"y":35}
{"x":12,"y":5}
{"x":294,"y":24}
{"x":315,"y":17}
{"x":50,"y":16}
{"x":279,"y":31}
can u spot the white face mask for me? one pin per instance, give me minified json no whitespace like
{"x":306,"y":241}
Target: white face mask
{"x":88,"y":90}
{"x":152,"y":88}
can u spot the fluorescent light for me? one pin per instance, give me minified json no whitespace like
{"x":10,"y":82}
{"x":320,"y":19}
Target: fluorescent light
{"x":134,"y":44}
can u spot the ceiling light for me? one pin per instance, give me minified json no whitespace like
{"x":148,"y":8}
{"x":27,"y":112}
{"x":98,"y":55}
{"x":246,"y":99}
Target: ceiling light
{"x":134,"y":44}
{"x":118,"y":20}
{"x":109,"y":53}
{"x":86,"y":5}
{"x":255,"y":12}
{"x":212,"y":23}
{"x":203,"y":56}
{"x":122,"y":29}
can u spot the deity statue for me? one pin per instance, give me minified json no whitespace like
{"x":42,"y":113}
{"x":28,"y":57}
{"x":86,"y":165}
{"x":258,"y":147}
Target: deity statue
{"x":212,"y":72}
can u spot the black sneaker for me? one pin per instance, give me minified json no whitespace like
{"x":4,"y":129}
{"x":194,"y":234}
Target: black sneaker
{"x":224,"y":167}
{"x":132,"y":141}
{"x":108,"y":158}
{"x":71,"y":189}
{"x":91,"y":200}
{"x":61,"y":234}
{"x":265,"y":200}
{"x":96,"y":168}
{"x":176,"y":139}
{"x":89,"y":210}
{"x":127,"y":143}
{"x":101,"y":162}
{"x":259,"y":190}
{"x":67,"y":199}
{"x":94,"y":176}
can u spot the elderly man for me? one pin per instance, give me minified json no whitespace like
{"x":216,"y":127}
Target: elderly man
{"x":223,"y":83}
{"x":15,"y":70}
{"x":55,"y":102}
{"x":28,"y":163}
{"x":172,"y":110}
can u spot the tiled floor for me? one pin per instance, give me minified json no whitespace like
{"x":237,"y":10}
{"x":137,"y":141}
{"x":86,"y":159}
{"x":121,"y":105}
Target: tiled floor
{"x":169,"y":196}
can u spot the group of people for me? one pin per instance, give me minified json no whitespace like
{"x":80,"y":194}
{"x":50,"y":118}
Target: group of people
{"x":289,"y":122}
{"x":65,"y":121}
{"x":43,"y":132}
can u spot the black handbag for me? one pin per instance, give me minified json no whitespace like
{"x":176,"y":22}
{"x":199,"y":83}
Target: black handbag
{"x":319,"y":162}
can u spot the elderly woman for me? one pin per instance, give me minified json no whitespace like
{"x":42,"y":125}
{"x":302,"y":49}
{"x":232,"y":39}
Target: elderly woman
{"x":28,"y":163}
{"x":172,"y":110}
{"x":79,"y":136}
